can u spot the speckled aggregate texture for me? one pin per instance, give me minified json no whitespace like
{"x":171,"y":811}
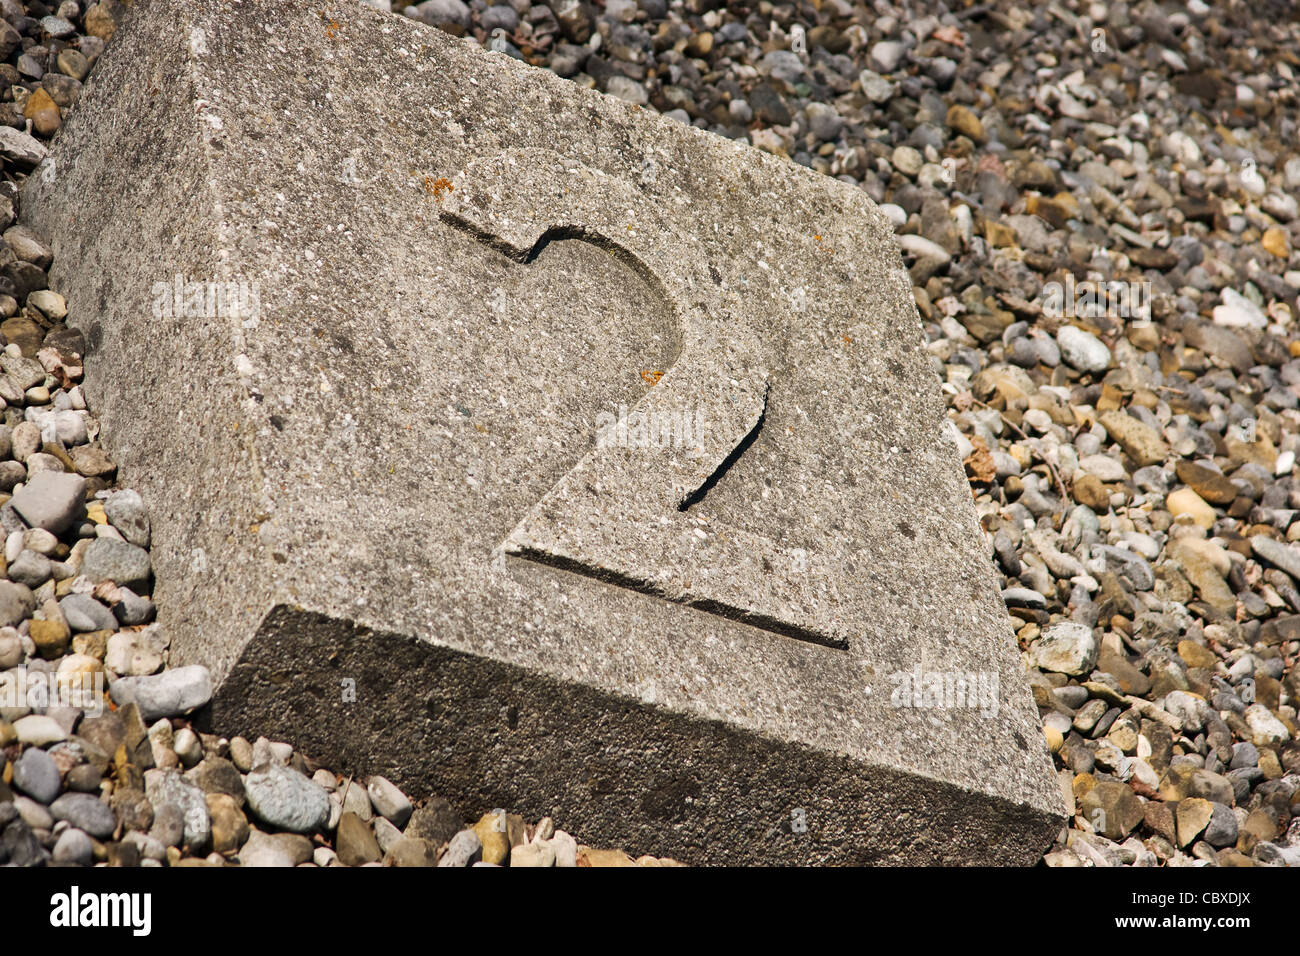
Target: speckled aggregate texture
{"x":389,"y":477}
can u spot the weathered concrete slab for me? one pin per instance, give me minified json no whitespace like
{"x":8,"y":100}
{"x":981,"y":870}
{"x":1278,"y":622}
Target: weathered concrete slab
{"x":414,"y":465}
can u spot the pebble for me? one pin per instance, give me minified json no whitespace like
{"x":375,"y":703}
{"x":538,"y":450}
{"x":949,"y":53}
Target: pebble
{"x":127,"y":513}
{"x":35,"y":774}
{"x":74,"y":847}
{"x":132,"y":654}
{"x":169,"y":694}
{"x":83,"y":613}
{"x":39,"y":730}
{"x":285,"y":799}
{"x":539,"y":854}
{"x":109,"y":560}
{"x":388,"y":801}
{"x":85,"y":812}
{"x":51,"y":500}
{"x":263,"y":849}
{"x":1082,"y":350}
{"x":355,"y":842}
{"x":168,"y":788}
{"x":465,"y":849}
{"x":1066,"y":648}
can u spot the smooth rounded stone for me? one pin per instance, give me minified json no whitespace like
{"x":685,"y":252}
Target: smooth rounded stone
{"x":493,"y":834}
{"x":118,"y":561}
{"x":73,"y":63}
{"x":52,"y":500}
{"x":39,"y":730}
{"x":444,"y":13}
{"x":70,"y":428}
{"x":57,"y":27}
{"x":1277,"y":553}
{"x":537,"y":854}
{"x":92,"y":461}
{"x":187,"y":746}
{"x":74,"y":847}
{"x":127,"y":513}
{"x":1065,"y":648}
{"x":263,"y":849}
{"x":354,"y":842}
{"x":268,"y":751}
{"x":1024,"y":597}
{"x":38,"y":540}
{"x":464,"y":849}
{"x":132,"y":654}
{"x":354,"y":799}
{"x":29,"y":247}
{"x":36,"y":775}
{"x":1082,"y":350}
{"x":17,"y":603}
{"x":31,"y":569}
{"x":285,"y":799}
{"x":907,"y":160}
{"x":388,"y":801}
{"x":241,"y":754}
{"x":83,"y":613}
{"x":169,"y":694}
{"x":85,"y":812}
{"x":385,"y":833}
{"x":167,"y":787}
{"x":132,"y":610}
{"x":35,"y":815}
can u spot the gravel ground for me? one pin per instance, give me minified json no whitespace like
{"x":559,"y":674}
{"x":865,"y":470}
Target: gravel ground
{"x":1097,"y":206}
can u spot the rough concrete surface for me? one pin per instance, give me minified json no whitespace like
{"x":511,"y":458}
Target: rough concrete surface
{"x":390,"y":474}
